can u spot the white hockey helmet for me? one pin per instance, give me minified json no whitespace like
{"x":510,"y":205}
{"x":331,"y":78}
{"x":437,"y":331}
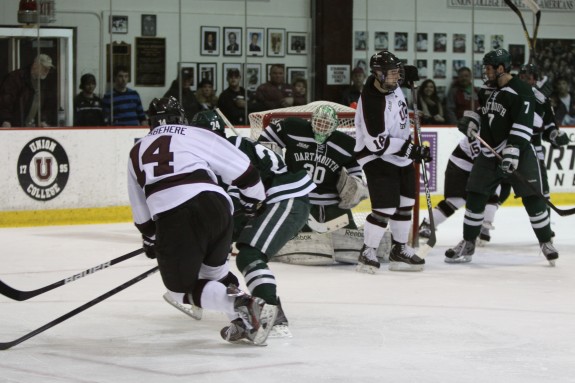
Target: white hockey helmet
{"x":323,"y":123}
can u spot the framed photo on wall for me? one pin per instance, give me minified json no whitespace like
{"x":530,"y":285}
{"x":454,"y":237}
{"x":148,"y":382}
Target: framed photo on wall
{"x":421,"y":42}
{"x":187,"y":70}
{"x":255,"y":42}
{"x":229,"y":67}
{"x":295,"y":72}
{"x":479,"y":44}
{"x":149,"y":25}
{"x":381,"y":41}
{"x":400,"y":41}
{"x":119,"y":24}
{"x":440,"y":42}
{"x":208,"y":71}
{"x":253,"y":76}
{"x":276,"y":42}
{"x":517,"y":52}
{"x":360,"y":40}
{"x":232,"y":41}
{"x":439,"y":68}
{"x":210,"y":41}
{"x":421,"y":68}
{"x":297,"y":43}
{"x":459,"y":45}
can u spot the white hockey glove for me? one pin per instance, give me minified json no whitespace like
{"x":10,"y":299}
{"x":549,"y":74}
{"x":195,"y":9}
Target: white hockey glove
{"x":469,"y":123}
{"x":510,"y":160}
{"x":558,"y":138}
{"x":250,"y":206}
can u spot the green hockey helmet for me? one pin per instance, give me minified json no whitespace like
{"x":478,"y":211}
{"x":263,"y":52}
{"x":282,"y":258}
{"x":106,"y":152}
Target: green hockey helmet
{"x":208,"y":119}
{"x":498,"y":57}
{"x":323,"y":123}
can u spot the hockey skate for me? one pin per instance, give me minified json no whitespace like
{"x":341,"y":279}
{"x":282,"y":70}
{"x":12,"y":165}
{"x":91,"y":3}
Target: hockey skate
{"x":549,"y":252}
{"x":461,"y":253}
{"x":188,"y":309}
{"x":484,"y":235}
{"x":424,"y":229}
{"x":403,"y":258}
{"x":280,"y":328}
{"x":367,"y":261}
{"x":255,"y":319}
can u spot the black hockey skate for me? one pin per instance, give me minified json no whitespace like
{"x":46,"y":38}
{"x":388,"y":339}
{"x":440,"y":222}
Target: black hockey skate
{"x":367,"y":261}
{"x":550,"y":252}
{"x":403,"y":258}
{"x":461,"y":253}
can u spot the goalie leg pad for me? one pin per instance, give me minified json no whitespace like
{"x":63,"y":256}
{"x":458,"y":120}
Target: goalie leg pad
{"x":347,"y":244}
{"x":308,"y":249}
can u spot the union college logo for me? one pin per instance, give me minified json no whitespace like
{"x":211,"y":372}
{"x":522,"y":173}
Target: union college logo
{"x":43,"y":168}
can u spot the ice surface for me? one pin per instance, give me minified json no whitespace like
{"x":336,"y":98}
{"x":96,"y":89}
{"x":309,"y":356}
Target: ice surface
{"x":505,"y":317}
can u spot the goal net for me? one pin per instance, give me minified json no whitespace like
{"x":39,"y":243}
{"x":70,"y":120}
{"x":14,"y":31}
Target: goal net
{"x":345,"y":114}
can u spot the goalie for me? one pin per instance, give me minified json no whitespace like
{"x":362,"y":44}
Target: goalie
{"x":327,"y":155}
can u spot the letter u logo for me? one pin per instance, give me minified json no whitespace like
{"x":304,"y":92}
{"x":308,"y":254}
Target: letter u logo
{"x":43,"y":168}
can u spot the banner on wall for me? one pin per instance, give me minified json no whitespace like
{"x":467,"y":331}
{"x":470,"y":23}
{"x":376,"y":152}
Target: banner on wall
{"x":545,"y":5}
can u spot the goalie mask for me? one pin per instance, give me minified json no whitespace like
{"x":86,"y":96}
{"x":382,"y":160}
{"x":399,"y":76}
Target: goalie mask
{"x":323,"y":123}
{"x":495,"y":59}
{"x":387,"y":69}
{"x":166,"y":110}
{"x":210,"y":120}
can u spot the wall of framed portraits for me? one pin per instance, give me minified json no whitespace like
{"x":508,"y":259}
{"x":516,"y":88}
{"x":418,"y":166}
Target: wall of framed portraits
{"x":441,"y":36}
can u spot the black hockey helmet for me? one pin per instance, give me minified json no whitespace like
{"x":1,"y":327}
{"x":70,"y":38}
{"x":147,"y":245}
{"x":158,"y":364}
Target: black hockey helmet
{"x":498,"y":57}
{"x":530,"y":69}
{"x":208,"y":119}
{"x":166,"y":110}
{"x":384,"y":61}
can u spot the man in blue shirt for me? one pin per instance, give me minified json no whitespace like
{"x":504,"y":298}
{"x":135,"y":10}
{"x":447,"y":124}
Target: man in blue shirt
{"x":127,"y":107}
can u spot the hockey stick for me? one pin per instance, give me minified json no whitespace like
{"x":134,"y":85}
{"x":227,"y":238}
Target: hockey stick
{"x":532,"y":4}
{"x":425,"y":249}
{"x":7,"y":345}
{"x":226,"y":121}
{"x":535,"y":8}
{"x":325,"y":227}
{"x":525,"y":182}
{"x":21,"y":295}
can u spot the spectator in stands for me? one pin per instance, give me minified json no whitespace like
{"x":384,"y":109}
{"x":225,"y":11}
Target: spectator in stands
{"x":430,"y":105}
{"x":87,"y":105}
{"x":206,"y":95}
{"x":189,"y":103}
{"x":232,"y":101}
{"x":275,"y":93}
{"x":123,"y":106}
{"x":299,"y":85}
{"x":23,"y":95}
{"x":563,"y":102}
{"x":352,"y":93}
{"x":460,"y":96}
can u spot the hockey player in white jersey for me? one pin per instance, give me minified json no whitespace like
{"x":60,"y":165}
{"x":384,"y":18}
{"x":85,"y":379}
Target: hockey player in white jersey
{"x":186,"y":218}
{"x":386,"y":153}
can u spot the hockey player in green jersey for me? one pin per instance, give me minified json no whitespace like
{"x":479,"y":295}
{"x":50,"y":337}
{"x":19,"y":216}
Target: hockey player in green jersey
{"x":506,"y":121}
{"x":317,"y":147}
{"x":282,"y":215}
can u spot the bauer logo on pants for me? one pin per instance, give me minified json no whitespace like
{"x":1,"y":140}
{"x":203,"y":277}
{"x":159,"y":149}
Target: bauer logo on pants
{"x":43,"y":168}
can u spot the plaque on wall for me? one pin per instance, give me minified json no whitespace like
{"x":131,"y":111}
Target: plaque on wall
{"x":150,"y":61}
{"x":121,"y":55}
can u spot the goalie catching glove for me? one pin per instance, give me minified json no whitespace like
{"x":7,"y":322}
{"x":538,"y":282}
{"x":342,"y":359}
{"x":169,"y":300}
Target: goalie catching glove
{"x":416,"y":153}
{"x":469,"y":124}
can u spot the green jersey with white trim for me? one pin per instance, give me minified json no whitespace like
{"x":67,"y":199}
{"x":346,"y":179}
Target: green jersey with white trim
{"x":507,"y":115}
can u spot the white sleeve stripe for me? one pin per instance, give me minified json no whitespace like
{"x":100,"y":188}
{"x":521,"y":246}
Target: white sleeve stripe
{"x":339,"y":149}
{"x":273,"y":137}
{"x":525,"y":136}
